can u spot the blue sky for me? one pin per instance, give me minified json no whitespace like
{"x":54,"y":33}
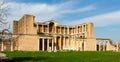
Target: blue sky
{"x":105,"y":14}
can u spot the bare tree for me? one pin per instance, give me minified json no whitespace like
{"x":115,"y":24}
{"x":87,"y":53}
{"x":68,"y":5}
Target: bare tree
{"x":3,"y":14}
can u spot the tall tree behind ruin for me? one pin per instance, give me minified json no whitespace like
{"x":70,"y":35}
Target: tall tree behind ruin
{"x":3,"y":15}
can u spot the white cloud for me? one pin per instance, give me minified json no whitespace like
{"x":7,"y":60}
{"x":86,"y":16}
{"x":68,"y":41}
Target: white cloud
{"x":101,"y":20}
{"x":44,"y":12}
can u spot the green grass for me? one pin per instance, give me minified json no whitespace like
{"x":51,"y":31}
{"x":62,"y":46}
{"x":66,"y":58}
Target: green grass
{"x":71,"y":56}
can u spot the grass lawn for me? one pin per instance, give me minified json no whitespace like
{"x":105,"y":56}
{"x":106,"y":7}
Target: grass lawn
{"x":70,"y":56}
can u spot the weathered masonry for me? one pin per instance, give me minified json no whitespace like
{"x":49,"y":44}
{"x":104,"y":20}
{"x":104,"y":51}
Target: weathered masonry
{"x":52,"y":36}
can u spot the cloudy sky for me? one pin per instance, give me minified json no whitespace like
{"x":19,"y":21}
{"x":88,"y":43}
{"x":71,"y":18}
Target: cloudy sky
{"x":105,"y":14}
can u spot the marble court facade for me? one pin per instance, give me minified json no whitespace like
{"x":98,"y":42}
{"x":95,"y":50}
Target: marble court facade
{"x":52,"y":36}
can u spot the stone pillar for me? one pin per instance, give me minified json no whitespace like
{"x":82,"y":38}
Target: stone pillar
{"x":73,"y":30}
{"x":47,"y":28}
{"x":42,"y":28}
{"x":55,"y":45}
{"x":73,"y":42}
{"x":52,"y":45}
{"x":48,"y":44}
{"x":83,"y":45}
{"x":55,"y":30}
{"x":64,"y":30}
{"x":68,"y":30}
{"x":64,"y":43}
{"x":2,"y":46}
{"x":60,"y":29}
{"x":85,"y":28}
{"x":77,"y":30}
{"x":76,"y":47}
{"x":82,"y":28}
{"x":11,"y":45}
{"x":99,"y":47}
{"x":117,"y":47}
{"x":60,"y":43}
{"x":69,"y":43}
{"x":43,"y":44}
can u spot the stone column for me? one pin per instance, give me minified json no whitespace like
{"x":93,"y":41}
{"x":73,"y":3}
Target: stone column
{"x":82,"y":28}
{"x":69,"y":43}
{"x":73,"y":42}
{"x":11,"y":45}
{"x":72,"y":30}
{"x":99,"y":47}
{"x":52,"y":44}
{"x":64,"y":30}
{"x":85,"y":28}
{"x":48,"y":44}
{"x":117,"y":47}
{"x":55,"y":30}
{"x":60,"y":43}
{"x":43,"y":44}
{"x":68,"y":29}
{"x":42,"y":28}
{"x":60,"y":29}
{"x":77,"y":30}
{"x":55,"y":45}
{"x":2,"y":46}
{"x":64,"y":43}
{"x":76,"y":44}
{"x":48,"y":29}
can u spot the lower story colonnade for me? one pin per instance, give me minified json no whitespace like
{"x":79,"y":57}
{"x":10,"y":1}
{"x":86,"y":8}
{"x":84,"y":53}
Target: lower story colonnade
{"x":59,"y":43}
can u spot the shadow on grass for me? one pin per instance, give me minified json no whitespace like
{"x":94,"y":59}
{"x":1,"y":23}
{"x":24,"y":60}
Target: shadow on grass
{"x":22,"y":59}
